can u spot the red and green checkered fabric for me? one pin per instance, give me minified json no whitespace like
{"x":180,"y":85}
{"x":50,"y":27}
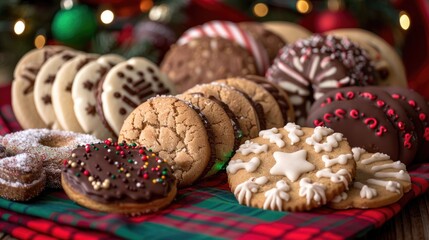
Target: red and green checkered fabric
{"x":204,"y":211}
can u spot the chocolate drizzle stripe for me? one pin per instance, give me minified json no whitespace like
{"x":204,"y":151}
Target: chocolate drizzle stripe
{"x":258,"y":109}
{"x":129,"y":102}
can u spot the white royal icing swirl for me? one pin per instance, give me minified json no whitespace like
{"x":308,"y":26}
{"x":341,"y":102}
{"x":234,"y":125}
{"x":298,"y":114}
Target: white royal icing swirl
{"x":294,"y":132}
{"x":273,"y":135}
{"x":337,"y":177}
{"x":250,"y":147}
{"x":243,"y":192}
{"x":312,"y":191}
{"x":250,"y":166}
{"x":331,"y":142}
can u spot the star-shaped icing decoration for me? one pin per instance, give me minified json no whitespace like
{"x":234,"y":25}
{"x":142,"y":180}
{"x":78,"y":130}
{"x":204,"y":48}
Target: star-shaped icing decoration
{"x":291,"y":165}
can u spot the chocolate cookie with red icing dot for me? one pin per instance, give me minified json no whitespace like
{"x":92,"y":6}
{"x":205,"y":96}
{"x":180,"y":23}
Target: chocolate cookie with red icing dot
{"x":118,"y":178}
{"x":420,"y":113}
{"x":393,"y":110}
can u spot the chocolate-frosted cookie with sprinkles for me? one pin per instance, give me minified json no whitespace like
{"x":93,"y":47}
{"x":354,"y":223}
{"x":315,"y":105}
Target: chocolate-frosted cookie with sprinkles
{"x":118,"y":178}
{"x":176,"y":130}
{"x":206,"y":59}
{"x":84,"y":89}
{"x":240,"y":104}
{"x":224,"y":124}
{"x":126,"y":86}
{"x":310,"y":67}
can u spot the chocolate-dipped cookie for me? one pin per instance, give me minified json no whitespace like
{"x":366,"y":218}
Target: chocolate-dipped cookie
{"x":175,"y":129}
{"x":206,"y":59}
{"x":118,"y":178}
{"x":310,"y":67}
{"x":240,"y":104}
{"x":224,"y":124}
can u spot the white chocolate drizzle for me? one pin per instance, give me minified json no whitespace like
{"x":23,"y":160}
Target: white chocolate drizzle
{"x":250,"y":147}
{"x":294,"y":132}
{"x":338,"y":177}
{"x":312,"y":191}
{"x":250,"y":166}
{"x":243,"y":192}
{"x":273,"y":135}
{"x":291,"y":165}
{"x":331,"y":142}
{"x":341,"y":159}
{"x":275,"y":196}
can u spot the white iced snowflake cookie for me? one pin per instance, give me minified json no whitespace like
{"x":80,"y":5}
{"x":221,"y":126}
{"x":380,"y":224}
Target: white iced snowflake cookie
{"x":291,"y":168}
{"x":379,"y":182}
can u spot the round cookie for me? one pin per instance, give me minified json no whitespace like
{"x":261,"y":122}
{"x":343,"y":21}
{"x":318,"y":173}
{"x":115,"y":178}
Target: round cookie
{"x":272,"y":114}
{"x":206,"y":59}
{"x":310,"y":67}
{"x":50,"y":146}
{"x":25,"y":74}
{"x":393,"y":110}
{"x":386,"y":60}
{"x":126,"y":86}
{"x":62,"y":100}
{"x":420,"y":112}
{"x":43,"y":87}
{"x":84,"y":89}
{"x":231,"y":31}
{"x":118,"y":178}
{"x":224,"y":124}
{"x":379,"y":182}
{"x":269,"y":40}
{"x":21,"y":176}
{"x":177,"y":131}
{"x":279,"y":95}
{"x":290,"y":32}
{"x":240,"y":104}
{"x":291,"y":168}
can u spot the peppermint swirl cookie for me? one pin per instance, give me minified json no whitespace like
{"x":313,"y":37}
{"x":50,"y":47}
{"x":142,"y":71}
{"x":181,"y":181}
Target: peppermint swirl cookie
{"x":118,"y":178}
{"x":291,"y":168}
{"x":49,"y":146}
{"x":379,"y":182}
{"x":309,"y":68}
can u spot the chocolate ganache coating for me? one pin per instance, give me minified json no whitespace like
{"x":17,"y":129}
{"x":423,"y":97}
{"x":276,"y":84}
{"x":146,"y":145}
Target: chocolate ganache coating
{"x":110,"y":172}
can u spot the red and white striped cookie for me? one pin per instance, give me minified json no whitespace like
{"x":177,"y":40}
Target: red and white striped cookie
{"x":231,"y":31}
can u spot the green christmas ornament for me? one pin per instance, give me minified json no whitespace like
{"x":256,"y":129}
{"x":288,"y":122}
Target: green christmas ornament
{"x":75,"y":26}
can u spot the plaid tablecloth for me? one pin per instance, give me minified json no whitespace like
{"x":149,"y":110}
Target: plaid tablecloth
{"x":204,"y":211}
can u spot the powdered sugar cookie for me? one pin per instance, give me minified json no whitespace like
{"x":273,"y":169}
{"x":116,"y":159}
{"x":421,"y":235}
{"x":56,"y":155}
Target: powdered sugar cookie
{"x":50,"y":146}
{"x":84,"y":91}
{"x":25,"y":73}
{"x":43,"y":87}
{"x":125,"y":87}
{"x":291,"y":168}
{"x":379,"y":182}
{"x":62,"y":100}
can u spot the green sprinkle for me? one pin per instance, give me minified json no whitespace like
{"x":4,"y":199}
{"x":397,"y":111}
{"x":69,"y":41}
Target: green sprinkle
{"x":77,"y":174}
{"x":96,"y":149}
{"x":117,"y":152}
{"x":240,"y":134}
{"x":105,"y":146}
{"x":113,"y":176}
{"x":130,"y":160}
{"x":134,"y":144}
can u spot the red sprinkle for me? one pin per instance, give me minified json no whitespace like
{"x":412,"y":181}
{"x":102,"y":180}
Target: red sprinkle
{"x":412,"y":103}
{"x":350,"y":95}
{"x":340,"y":113}
{"x":327,"y":117}
{"x":354,"y":114}
{"x":401,"y":125}
{"x":107,"y":142}
{"x":422,"y":116}
{"x":318,"y":123}
{"x":141,"y":151}
{"x":381,"y":130}
{"x":145,"y":176}
{"x":65,"y":162}
{"x":372,"y":122}
{"x":380,"y":103}
{"x":407,"y":141}
{"x":86,"y":173}
{"x":395,"y":96}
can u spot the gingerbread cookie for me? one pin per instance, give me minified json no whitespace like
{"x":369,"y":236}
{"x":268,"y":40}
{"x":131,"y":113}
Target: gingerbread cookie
{"x":22,"y":176}
{"x":338,"y":117}
{"x":379,"y":182}
{"x":309,"y":68}
{"x":240,"y":104}
{"x":62,"y":100}
{"x":291,"y":168}
{"x":84,"y":91}
{"x":206,"y":59}
{"x":271,"y":42}
{"x":273,"y":116}
{"x":118,"y":178}
{"x":231,"y":31}
{"x":224,"y":124}
{"x":43,"y":87}
{"x":176,"y":130}
{"x":126,"y":86}
{"x":49,"y":146}
{"x":25,"y":74}
{"x":387,"y":62}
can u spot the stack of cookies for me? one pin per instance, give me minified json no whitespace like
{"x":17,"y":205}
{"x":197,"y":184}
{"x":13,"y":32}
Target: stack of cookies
{"x":199,"y":130}
{"x":59,"y":88}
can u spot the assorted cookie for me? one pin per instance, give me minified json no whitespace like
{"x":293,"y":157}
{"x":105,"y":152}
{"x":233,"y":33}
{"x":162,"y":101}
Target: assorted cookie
{"x":291,"y":168}
{"x":387,"y":126}
{"x":310,"y":67}
{"x":379,"y":182}
{"x":118,"y":178}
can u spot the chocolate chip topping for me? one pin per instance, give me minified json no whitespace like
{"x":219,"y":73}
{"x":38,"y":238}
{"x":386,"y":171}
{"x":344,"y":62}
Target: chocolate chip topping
{"x":118,"y":173}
